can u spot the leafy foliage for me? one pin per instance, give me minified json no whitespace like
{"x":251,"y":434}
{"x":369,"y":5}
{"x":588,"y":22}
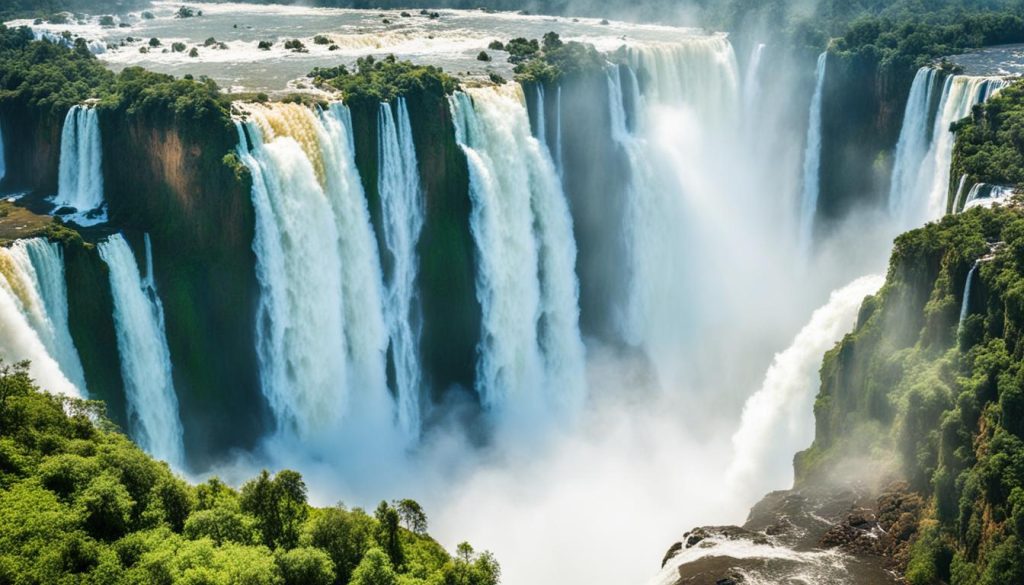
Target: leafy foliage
{"x":549,"y":60}
{"x":80,"y":503}
{"x":383,"y":80}
{"x":989,"y":143}
{"x":944,"y":396}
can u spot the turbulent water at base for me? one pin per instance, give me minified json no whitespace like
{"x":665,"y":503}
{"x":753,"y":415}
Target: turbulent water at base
{"x":531,"y":358}
{"x":921,"y":184}
{"x":812,"y":159}
{"x":80,"y":183}
{"x":154,"y":420}
{"x":321,"y":333}
{"x":403,"y":208}
{"x":913,"y":144}
{"x":33,"y":315}
{"x":777,"y":420}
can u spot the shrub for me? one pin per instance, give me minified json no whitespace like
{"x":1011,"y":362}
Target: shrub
{"x":483,"y":56}
{"x":264,"y":45}
{"x":178,"y":47}
{"x":321,"y":40}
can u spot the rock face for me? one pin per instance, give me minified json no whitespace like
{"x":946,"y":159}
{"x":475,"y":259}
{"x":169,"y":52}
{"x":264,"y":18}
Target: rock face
{"x":851,"y":535}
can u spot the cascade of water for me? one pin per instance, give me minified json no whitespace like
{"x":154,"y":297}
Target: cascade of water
{"x":559,"y":163}
{"x":777,"y":419}
{"x":531,"y":354}
{"x":959,"y":193}
{"x":960,"y":94}
{"x":28,"y":330}
{"x":80,"y":184}
{"x":403,"y":208}
{"x":812,"y":160}
{"x":321,"y":337}
{"x":985,"y":195}
{"x":752,"y":80}
{"x":145,"y":359}
{"x":913,"y":143}
{"x":965,"y":305}
{"x":40,"y":270}
{"x":542,"y":124}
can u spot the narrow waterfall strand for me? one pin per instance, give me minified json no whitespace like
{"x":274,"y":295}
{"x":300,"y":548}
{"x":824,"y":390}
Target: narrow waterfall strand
{"x":812,"y":161}
{"x":965,"y":305}
{"x":403,"y":217}
{"x":145,"y":358}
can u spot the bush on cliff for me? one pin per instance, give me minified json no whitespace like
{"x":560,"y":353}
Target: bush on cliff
{"x":383,"y":80}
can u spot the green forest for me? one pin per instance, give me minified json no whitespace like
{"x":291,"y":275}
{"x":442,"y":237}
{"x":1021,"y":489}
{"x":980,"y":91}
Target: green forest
{"x":80,"y":503}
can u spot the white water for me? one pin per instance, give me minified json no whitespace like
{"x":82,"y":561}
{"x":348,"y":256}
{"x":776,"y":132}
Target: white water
{"x":28,"y":328}
{"x":542,"y":130}
{"x":41,"y":266}
{"x":531,"y":353}
{"x":559,"y":153}
{"x":778,"y":419}
{"x":985,"y":195}
{"x":321,"y":335}
{"x":965,"y":305}
{"x":81,"y":157}
{"x":752,"y":80}
{"x":154,"y":419}
{"x":958,"y":200}
{"x":913,"y":145}
{"x":812,"y":160}
{"x":959,"y":95}
{"x":403,"y":208}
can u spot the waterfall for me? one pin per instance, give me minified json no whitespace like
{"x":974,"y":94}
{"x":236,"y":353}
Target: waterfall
{"x":984,"y":195}
{"x":559,"y":161}
{"x":80,"y":185}
{"x":752,"y":80}
{"x":531,"y":352}
{"x":542,"y":130}
{"x":959,"y":193}
{"x":913,"y":144}
{"x":959,"y":95}
{"x":153,"y":414}
{"x":321,"y":334}
{"x":777,"y":420}
{"x":33,"y":324}
{"x":812,"y":160}
{"x":403,"y":209}
{"x":40,"y":271}
{"x":966,"y":303}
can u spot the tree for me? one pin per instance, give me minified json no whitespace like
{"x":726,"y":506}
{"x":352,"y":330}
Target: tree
{"x":106,"y":507}
{"x":412,"y":515}
{"x":346,"y":536}
{"x":305,"y":566}
{"x":279,"y":506}
{"x":374,"y":569}
{"x":387,"y":534}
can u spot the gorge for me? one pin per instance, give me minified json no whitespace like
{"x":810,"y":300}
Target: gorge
{"x":566,"y":282}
